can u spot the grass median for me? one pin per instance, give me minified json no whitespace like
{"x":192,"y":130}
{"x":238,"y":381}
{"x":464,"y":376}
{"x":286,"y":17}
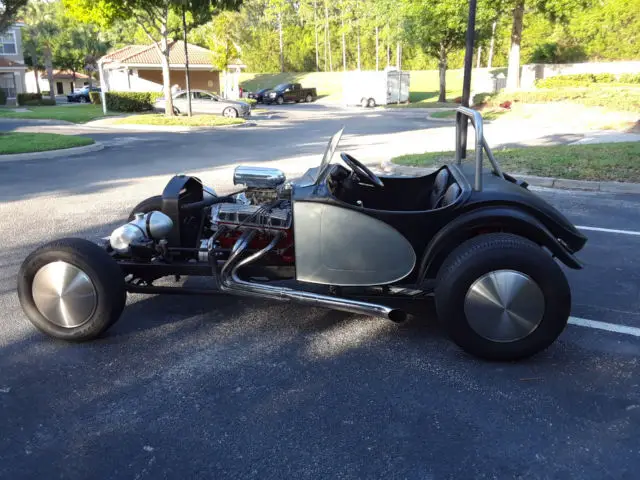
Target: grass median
{"x":26,"y":142}
{"x":194,"y":121}
{"x":68,"y":113}
{"x":600,"y":162}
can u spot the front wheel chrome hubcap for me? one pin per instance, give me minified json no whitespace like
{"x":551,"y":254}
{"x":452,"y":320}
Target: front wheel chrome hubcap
{"x":504,"y":306}
{"x":64,"y":294}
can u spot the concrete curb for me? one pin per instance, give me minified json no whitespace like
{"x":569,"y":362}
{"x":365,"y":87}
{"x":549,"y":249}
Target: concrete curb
{"x":168,"y":128}
{"x":63,"y":152}
{"x":546,"y":182}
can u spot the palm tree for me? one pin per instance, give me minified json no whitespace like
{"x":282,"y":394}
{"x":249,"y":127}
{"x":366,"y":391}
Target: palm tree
{"x":41,"y":20}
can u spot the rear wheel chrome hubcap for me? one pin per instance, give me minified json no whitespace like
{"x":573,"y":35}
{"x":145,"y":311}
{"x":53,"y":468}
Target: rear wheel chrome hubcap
{"x":64,"y":294}
{"x":504,"y":306}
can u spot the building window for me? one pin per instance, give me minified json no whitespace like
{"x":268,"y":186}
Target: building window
{"x":8,"y":84}
{"x":8,"y":44}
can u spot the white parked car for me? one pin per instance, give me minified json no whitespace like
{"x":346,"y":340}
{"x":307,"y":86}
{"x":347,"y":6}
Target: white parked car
{"x":206,"y":102}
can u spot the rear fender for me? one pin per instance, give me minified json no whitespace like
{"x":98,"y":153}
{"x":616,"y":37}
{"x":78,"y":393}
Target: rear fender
{"x":487,"y":220}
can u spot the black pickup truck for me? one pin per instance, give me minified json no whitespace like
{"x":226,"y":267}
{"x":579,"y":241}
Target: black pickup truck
{"x":290,"y":92}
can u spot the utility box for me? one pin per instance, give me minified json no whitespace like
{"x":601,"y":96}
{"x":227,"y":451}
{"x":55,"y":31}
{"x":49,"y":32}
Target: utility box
{"x":372,"y":88}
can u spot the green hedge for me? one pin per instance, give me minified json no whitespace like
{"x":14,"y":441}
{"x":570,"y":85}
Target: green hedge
{"x":129,"y":101}
{"x":23,"y":98}
{"x":3,"y":98}
{"x":43,"y":101}
{"x":630,"y":78}
{"x":613,"y":97}
{"x":250,"y":101}
{"x":95,"y":98}
{"x":586,"y":80}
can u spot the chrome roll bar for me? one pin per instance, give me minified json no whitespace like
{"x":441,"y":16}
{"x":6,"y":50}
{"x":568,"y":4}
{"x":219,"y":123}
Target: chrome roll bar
{"x":462,"y":113}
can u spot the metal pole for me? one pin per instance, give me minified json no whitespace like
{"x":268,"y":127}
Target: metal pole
{"x":466,"y":81}
{"x":186,"y":61}
{"x":103,"y":86}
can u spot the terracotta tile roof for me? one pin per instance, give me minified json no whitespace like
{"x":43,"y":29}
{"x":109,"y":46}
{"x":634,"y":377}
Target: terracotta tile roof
{"x":148,"y":55}
{"x":4,"y":62}
{"x":65,"y":75}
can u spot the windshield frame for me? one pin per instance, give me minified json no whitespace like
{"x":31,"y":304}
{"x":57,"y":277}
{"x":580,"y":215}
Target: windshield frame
{"x":329,"y":151}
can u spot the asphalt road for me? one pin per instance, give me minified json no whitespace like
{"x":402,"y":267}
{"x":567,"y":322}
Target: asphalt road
{"x":235,"y":388}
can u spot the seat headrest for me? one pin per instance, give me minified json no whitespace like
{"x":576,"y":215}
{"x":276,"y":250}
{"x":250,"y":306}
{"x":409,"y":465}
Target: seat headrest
{"x":452,"y":193}
{"x":442,"y":180}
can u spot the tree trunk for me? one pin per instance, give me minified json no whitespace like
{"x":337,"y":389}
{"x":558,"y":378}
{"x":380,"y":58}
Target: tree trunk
{"x":491,"y":45}
{"x":315,"y":28}
{"x":377,"y":50}
{"x":344,"y":45}
{"x":34,"y":61}
{"x":73,"y":79}
{"x":442,"y":67}
{"x":358,"y":33}
{"x":513,"y":70}
{"x":48,"y":63}
{"x":388,"y":54}
{"x":327,"y":33}
{"x":280,"y":34}
{"x":166,"y":73}
{"x":187,"y":76}
{"x":479,"y":56}
{"x":398,"y":57}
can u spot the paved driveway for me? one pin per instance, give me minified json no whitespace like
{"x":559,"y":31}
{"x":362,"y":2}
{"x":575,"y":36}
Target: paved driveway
{"x":236,"y":388}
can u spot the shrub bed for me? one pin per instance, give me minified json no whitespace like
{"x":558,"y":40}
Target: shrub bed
{"x":587,"y":79}
{"x":95,"y":98}
{"x":129,"y":101}
{"x":23,"y":98}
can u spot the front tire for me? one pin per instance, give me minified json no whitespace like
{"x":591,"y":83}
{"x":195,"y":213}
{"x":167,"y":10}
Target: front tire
{"x":230,"y":112}
{"x":279,"y":100}
{"x":150,"y":204}
{"x":501,"y":297}
{"x":309,"y":98}
{"x":371,"y":103}
{"x":71,"y":289}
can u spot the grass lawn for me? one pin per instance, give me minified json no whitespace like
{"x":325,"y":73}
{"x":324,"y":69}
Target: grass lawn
{"x":24,"y":142}
{"x":444,"y":114}
{"x":606,"y":161}
{"x":195,"y":121}
{"x":72,"y":113}
{"x":423,"y":84}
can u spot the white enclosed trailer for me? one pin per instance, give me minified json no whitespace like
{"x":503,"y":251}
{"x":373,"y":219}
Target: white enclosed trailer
{"x":371,"y":88}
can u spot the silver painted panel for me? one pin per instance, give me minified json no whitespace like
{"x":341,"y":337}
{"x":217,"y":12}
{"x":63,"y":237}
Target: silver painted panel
{"x":340,"y":246}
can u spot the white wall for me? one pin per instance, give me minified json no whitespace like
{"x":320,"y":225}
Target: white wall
{"x":121,"y":80}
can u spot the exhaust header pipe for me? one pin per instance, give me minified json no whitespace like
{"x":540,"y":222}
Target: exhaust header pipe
{"x":230,"y":282}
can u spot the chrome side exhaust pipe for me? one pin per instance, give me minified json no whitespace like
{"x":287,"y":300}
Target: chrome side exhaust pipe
{"x":230,"y":282}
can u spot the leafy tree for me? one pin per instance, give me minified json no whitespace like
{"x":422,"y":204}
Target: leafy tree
{"x":439,"y":28}
{"x":610,"y":30}
{"x":161,"y":21}
{"x":9,"y":10}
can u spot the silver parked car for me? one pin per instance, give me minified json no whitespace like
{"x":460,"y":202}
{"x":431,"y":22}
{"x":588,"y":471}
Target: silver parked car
{"x":206,"y":102}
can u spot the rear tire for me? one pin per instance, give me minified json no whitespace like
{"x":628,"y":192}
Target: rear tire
{"x":371,"y":103}
{"x":309,"y":98}
{"x":501,"y":297}
{"x":148,"y":205}
{"x":279,"y":100}
{"x":71,"y":282}
{"x":364,"y":103}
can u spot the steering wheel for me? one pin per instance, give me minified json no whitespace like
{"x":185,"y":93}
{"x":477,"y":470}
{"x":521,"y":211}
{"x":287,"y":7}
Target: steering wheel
{"x":360,"y":170}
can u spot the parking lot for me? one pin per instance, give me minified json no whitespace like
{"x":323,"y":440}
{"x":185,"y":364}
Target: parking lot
{"x":225,"y":387}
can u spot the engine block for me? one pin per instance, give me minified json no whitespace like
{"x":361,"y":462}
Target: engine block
{"x":253,"y":216}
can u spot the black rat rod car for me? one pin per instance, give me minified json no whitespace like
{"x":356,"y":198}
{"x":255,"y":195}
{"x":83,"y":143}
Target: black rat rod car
{"x":339,"y":237}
